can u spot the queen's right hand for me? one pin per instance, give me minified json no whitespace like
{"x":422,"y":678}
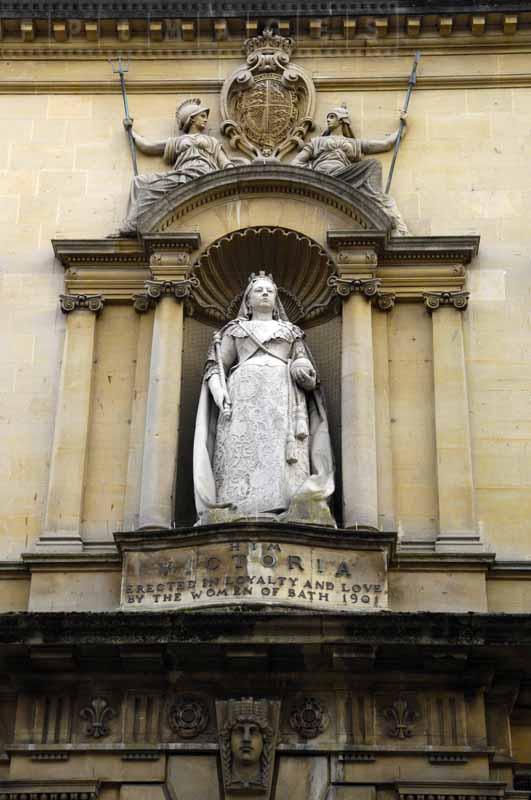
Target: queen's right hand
{"x":128,"y":123}
{"x":220,"y":397}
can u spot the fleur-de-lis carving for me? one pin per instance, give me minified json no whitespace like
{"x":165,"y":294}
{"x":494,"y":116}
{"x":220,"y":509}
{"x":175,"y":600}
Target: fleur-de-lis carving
{"x":97,"y":714}
{"x":401,"y":717}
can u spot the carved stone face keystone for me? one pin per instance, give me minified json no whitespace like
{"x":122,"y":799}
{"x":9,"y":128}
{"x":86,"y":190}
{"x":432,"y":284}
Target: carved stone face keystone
{"x":247,"y":742}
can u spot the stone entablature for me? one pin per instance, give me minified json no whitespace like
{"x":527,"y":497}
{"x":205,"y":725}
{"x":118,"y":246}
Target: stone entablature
{"x":184,"y":25}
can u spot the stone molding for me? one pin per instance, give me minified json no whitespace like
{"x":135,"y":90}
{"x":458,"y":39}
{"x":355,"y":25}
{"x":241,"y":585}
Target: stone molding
{"x":107,"y":9}
{"x":49,"y":790}
{"x":81,"y":302}
{"x":434,"y":300}
{"x":213,"y":86}
{"x":464,"y":790}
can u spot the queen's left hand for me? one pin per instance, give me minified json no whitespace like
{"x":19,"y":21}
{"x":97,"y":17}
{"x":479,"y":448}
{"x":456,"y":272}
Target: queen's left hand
{"x":304,"y":374}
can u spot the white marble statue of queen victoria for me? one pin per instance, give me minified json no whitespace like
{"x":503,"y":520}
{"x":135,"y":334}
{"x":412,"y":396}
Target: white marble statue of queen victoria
{"x":262,"y":446}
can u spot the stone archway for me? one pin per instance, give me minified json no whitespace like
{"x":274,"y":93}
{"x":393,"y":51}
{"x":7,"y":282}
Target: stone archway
{"x":276,"y":181}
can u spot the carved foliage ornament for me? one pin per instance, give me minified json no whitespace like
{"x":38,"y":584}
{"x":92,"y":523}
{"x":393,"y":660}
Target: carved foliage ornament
{"x":309,"y":718}
{"x":247,"y":731}
{"x":401,"y":717}
{"x":267,"y":104}
{"x":188,"y":717}
{"x":98,"y":713}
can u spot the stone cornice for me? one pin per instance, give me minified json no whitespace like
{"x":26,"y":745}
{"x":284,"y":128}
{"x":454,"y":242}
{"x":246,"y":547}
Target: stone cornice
{"x":408,"y":249}
{"x":410,"y":630}
{"x":193,"y":9}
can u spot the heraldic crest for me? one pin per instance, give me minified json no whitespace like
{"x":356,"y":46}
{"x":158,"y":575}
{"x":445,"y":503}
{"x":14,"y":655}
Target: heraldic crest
{"x":267,"y":104}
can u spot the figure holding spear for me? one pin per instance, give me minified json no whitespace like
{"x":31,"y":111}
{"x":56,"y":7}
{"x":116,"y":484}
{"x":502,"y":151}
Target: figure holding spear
{"x":121,"y":70}
{"x":339,"y":152}
{"x":411,"y":85}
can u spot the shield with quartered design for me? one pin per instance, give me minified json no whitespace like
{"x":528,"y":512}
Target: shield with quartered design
{"x":268,"y":111}
{"x":267,"y":104}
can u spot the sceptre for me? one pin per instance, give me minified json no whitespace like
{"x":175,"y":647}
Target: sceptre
{"x":221,"y":370}
{"x":411,"y":84}
{"x":120,"y":70}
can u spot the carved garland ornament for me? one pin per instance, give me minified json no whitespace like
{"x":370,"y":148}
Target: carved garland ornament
{"x":267,"y":104}
{"x":309,"y":718}
{"x":188,"y":717}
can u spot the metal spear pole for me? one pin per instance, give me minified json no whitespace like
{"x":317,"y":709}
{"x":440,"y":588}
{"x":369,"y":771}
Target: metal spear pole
{"x":120,"y":70}
{"x":411,"y":84}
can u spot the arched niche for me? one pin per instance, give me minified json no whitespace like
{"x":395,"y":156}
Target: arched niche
{"x":299,"y":265}
{"x":301,"y":268}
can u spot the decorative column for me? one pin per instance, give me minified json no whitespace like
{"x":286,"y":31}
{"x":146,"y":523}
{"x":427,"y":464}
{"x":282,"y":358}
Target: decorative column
{"x":457,"y":524}
{"x":384,"y":449}
{"x":358,"y":426}
{"x":159,"y":456}
{"x":67,"y":468}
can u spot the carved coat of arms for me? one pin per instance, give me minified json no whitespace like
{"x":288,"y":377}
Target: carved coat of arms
{"x":267,"y":104}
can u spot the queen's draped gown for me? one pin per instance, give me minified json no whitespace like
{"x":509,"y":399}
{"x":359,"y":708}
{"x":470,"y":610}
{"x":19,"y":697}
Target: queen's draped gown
{"x":275,"y":446}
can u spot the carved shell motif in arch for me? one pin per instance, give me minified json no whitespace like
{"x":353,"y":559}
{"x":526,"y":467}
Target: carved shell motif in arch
{"x":267,"y":104}
{"x":300,"y":267}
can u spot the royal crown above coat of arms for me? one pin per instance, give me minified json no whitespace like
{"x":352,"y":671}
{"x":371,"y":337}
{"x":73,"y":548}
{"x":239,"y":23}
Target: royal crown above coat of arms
{"x":267,"y":104}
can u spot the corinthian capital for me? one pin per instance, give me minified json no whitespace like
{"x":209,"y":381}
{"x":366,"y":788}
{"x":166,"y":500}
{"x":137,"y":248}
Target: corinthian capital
{"x":87,"y":302}
{"x":434,"y":300}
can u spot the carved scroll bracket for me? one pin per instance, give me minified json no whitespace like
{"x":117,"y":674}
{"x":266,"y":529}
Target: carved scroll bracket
{"x":155,"y":290}
{"x":85,"y":302}
{"x":434,"y":300}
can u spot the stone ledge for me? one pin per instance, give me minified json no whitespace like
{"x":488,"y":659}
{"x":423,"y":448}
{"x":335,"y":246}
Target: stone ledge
{"x":116,"y":628}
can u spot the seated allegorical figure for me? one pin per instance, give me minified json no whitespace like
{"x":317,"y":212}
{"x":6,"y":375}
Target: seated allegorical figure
{"x":339,"y":153}
{"x":262,"y":446}
{"x":190,"y":154}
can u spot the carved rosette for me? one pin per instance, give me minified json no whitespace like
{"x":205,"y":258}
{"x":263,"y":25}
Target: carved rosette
{"x":309,"y":717}
{"x":267,"y":104}
{"x":86,"y":302}
{"x":434,"y":300}
{"x":247,"y":732}
{"x":188,"y":717}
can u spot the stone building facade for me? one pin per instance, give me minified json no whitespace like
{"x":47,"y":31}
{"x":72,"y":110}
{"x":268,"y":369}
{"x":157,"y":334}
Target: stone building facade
{"x":144,"y":657}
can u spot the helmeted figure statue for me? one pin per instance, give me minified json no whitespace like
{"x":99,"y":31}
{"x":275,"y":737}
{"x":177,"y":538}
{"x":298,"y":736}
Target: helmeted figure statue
{"x":339,"y":153}
{"x":262,"y":446}
{"x":191,"y":154}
